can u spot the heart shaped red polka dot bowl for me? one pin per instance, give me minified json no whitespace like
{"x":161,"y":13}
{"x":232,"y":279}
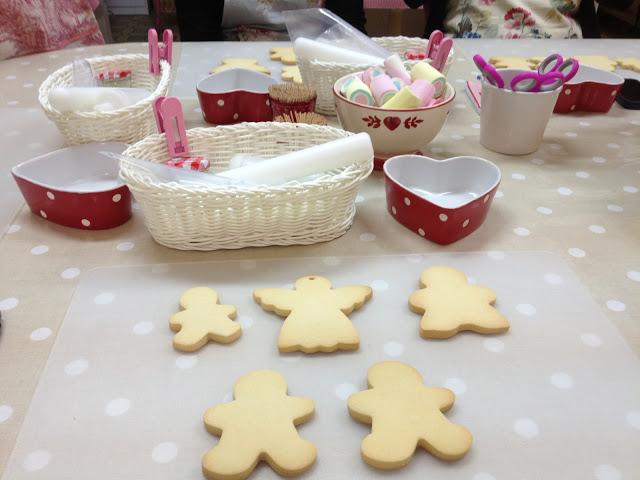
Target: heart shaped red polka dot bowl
{"x":393,"y":132}
{"x":440,"y":200}
{"x":76,"y":186}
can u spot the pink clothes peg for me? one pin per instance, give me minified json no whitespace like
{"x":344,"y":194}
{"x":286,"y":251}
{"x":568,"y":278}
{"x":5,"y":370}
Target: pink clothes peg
{"x":169,"y":119}
{"x":434,"y":41}
{"x":438,"y":49}
{"x":159,"y":52}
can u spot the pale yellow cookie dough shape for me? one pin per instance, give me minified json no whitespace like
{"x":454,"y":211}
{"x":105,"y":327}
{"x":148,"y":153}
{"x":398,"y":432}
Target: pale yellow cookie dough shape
{"x":597,"y":61}
{"x":511,"y":62}
{"x":285,"y":54}
{"x":292,"y":74}
{"x":202,"y":320}
{"x":629,"y":63}
{"x":405,"y":414}
{"x":316,"y":314}
{"x":258,"y":425}
{"x":450,"y":305}
{"x":246,"y":63}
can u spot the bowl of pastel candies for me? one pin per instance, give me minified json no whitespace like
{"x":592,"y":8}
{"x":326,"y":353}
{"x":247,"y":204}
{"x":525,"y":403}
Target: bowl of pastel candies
{"x":401,"y":109}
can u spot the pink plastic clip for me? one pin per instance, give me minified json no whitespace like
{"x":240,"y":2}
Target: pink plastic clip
{"x":438,"y":49}
{"x":169,"y":119}
{"x":159,"y":52}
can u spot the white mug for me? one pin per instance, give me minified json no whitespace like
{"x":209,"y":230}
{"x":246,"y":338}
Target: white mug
{"x":511,"y":122}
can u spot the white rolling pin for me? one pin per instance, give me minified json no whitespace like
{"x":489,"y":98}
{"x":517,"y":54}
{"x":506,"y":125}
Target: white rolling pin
{"x":94,"y":99}
{"x":309,"y":161}
{"x":325,"y":52}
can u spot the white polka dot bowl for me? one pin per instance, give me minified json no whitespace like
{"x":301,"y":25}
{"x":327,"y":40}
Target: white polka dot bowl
{"x":440,"y":200}
{"x":235,"y":95}
{"x":591,"y":90}
{"x":76,"y":187}
{"x":392,"y":132}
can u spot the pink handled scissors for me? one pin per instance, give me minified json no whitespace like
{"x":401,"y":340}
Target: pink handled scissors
{"x":488,"y":71}
{"x":552,"y":72}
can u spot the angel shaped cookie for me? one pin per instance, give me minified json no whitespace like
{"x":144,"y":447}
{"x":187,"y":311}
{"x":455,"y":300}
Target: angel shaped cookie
{"x":246,"y":63}
{"x":405,"y":414}
{"x":259,"y":424}
{"x":285,"y":54}
{"x":450,"y":305}
{"x":291,"y":74}
{"x":202,"y":320}
{"x":316,"y":314}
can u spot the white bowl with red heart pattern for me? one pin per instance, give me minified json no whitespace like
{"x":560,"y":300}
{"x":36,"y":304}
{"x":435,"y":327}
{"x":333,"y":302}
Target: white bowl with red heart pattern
{"x":440,"y":200}
{"x":392,"y":132}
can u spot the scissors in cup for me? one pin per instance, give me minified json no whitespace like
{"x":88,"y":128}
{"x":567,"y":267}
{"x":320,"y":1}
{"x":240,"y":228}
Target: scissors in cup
{"x":488,"y":71}
{"x":552,"y":72}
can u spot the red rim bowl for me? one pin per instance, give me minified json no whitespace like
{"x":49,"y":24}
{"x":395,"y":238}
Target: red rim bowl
{"x":76,"y":187}
{"x":392,"y":131}
{"x":235,"y":95}
{"x":591,"y":90}
{"x":440,"y":200}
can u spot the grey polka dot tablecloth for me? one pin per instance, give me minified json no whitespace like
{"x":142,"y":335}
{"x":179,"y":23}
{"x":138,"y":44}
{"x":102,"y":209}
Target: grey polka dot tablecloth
{"x":576,"y":197}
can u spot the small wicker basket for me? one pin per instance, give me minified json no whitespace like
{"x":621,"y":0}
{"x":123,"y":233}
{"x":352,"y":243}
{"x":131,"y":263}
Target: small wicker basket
{"x":227,"y":217}
{"x":322,"y":75}
{"x":126,"y":125}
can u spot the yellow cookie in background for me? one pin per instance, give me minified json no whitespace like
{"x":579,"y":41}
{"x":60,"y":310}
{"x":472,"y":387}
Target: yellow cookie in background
{"x":291,"y":74}
{"x":284,"y":54}
{"x":629,"y":63}
{"x":535,"y":61}
{"x":246,"y":63}
{"x":511,"y":62}
{"x":597,"y":61}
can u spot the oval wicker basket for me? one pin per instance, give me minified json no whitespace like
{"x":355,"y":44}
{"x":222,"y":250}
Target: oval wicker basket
{"x":229,"y":217}
{"x":126,"y":125}
{"x":322,"y":75}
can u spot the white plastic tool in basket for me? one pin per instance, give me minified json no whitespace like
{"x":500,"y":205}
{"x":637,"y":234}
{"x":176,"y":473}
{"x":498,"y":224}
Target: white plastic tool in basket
{"x":211,"y":217}
{"x":125,"y":125}
{"x":322,"y":75}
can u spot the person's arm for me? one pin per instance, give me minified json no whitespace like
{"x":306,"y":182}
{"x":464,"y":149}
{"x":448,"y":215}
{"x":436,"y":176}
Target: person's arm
{"x":350,"y":10}
{"x":617,"y":4}
{"x":588,"y":20}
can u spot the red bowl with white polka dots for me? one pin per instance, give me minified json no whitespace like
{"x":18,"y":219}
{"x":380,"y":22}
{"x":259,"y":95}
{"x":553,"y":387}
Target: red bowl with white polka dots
{"x":440,"y":200}
{"x":235,"y":95}
{"x":76,"y":187}
{"x":591,"y":90}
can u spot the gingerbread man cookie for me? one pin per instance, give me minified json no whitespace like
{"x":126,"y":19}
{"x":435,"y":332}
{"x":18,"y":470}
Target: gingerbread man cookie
{"x":450,"y":305}
{"x":292,"y":74}
{"x":511,"y":62}
{"x":404,"y":414}
{"x":246,"y":63}
{"x":259,"y":424}
{"x":629,"y":63}
{"x":202,"y":320}
{"x":285,"y":54}
{"x":316,"y":315}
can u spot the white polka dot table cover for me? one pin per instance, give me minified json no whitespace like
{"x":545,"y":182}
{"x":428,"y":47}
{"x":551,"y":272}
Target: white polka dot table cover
{"x":556,"y":397}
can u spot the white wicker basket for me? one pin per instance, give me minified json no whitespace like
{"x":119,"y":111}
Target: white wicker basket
{"x":322,"y":75}
{"x":212,"y":218}
{"x":126,"y":125}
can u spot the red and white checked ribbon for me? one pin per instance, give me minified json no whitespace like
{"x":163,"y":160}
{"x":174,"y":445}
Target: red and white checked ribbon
{"x":199,"y":164}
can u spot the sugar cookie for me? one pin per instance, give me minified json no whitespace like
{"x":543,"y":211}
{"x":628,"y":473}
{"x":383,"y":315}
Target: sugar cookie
{"x":450,"y":305}
{"x":202,"y":320}
{"x":629,"y":63}
{"x":246,"y":63}
{"x":598,"y":61}
{"x":291,"y":74}
{"x":316,"y":315}
{"x":511,"y":62}
{"x":285,"y":54}
{"x":258,"y":425}
{"x":404,"y":414}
